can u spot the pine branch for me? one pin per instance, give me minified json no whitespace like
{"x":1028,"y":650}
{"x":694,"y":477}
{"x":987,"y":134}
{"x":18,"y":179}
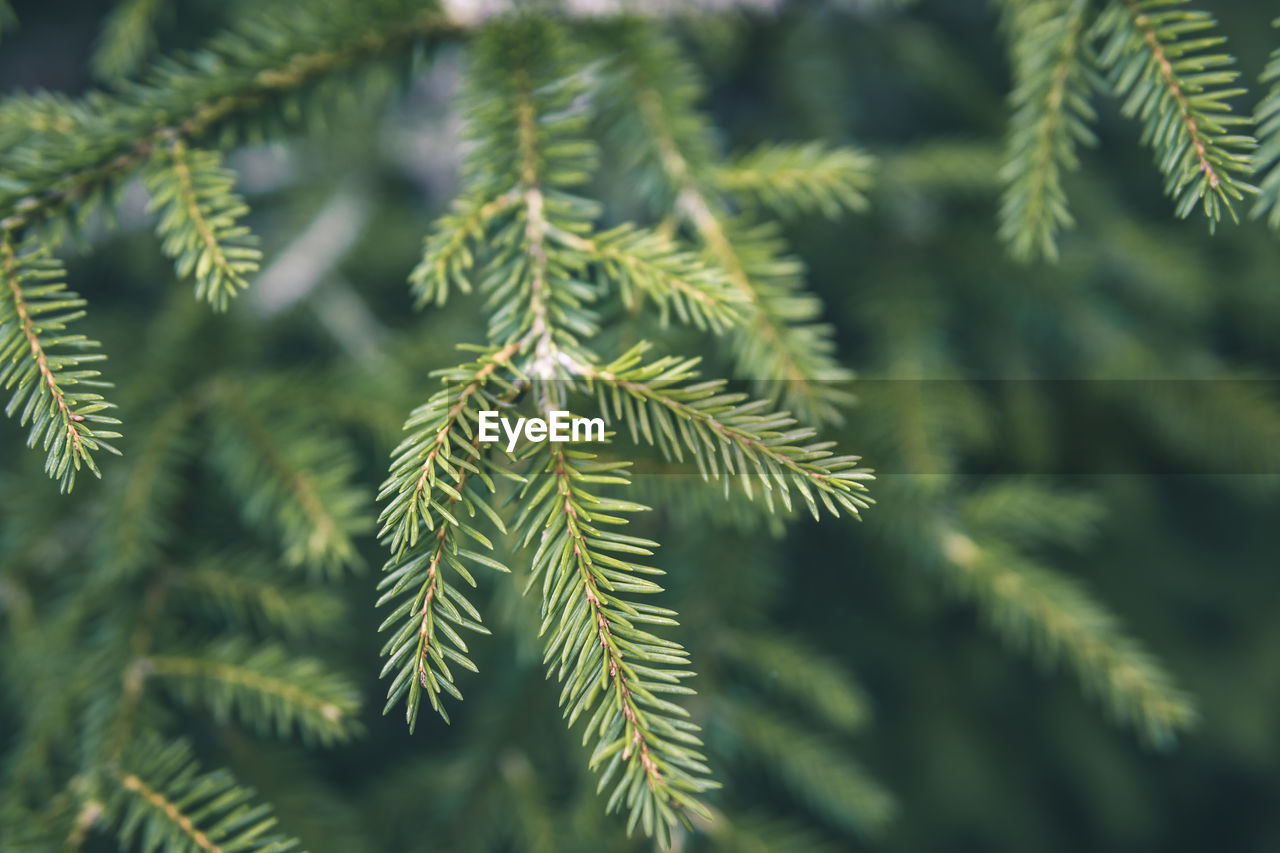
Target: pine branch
{"x":612,"y":668}
{"x":655,"y":89}
{"x":163,"y":802}
{"x":27,"y":115}
{"x":528,"y":120}
{"x":1051,"y":115}
{"x":297,"y":483}
{"x":724,"y":432}
{"x":449,"y":252}
{"x":1034,"y":607}
{"x":441,"y":450}
{"x":1267,"y":157}
{"x":646,"y":263}
{"x":237,"y":74}
{"x":815,"y":771}
{"x":437,"y":470}
{"x":1029,"y":512}
{"x":1163,"y":62}
{"x":948,"y":166}
{"x":42,"y":365}
{"x":199,"y":221}
{"x":802,"y":178}
{"x":234,"y":586}
{"x":264,"y":688}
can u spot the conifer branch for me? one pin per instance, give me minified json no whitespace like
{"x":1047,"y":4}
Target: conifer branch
{"x":1177,"y":86}
{"x":780,"y":345}
{"x":302,"y":487}
{"x":1032,"y":606}
{"x":646,"y":263}
{"x":40,"y":364}
{"x":838,"y":789}
{"x":264,"y":688}
{"x":199,"y":221}
{"x":233,"y":586}
{"x":235,"y":75}
{"x":449,"y":252}
{"x":612,"y":668}
{"x":434,"y":475}
{"x":724,"y":432}
{"x":1051,"y":115}
{"x":800,"y":178}
{"x":551,"y":156}
{"x":161,"y":799}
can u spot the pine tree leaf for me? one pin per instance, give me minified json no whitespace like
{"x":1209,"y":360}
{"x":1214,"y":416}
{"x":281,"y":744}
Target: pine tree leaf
{"x":1164,"y":61}
{"x":614,"y":671}
{"x":298,"y":483}
{"x":450,"y":250}
{"x":646,"y":264}
{"x":138,"y":521}
{"x":199,"y":221}
{"x":163,"y":802}
{"x":239,"y":588}
{"x":434,"y":493}
{"x":1051,"y":115}
{"x":1035,"y":608}
{"x":800,"y":178}
{"x":55,"y":177}
{"x":812,"y":768}
{"x":652,"y":91}
{"x":527,"y":118}
{"x":42,"y":365}
{"x":264,"y":688}
{"x":728,"y":436}
{"x":789,"y":667}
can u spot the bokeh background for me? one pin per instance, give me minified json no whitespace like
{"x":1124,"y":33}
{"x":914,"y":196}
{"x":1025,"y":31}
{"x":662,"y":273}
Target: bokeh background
{"x":1132,"y":383}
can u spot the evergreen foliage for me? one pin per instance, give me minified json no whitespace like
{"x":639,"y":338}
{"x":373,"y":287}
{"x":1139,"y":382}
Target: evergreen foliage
{"x":1164,"y":62}
{"x":191,"y":601}
{"x":198,"y":221}
{"x":40,"y":366}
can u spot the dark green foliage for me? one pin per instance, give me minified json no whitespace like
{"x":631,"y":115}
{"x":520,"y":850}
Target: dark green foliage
{"x":263,"y":688}
{"x":652,"y":97}
{"x":42,"y":368}
{"x":1166,"y":63}
{"x":615,"y":672}
{"x":198,"y":221}
{"x":1051,"y":116}
{"x":164,"y":802}
{"x":439,"y":482}
{"x":196,"y":603}
{"x":296,"y":482}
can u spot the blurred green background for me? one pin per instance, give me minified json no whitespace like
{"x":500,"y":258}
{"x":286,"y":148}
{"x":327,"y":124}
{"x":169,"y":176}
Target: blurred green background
{"x":1167,"y":443}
